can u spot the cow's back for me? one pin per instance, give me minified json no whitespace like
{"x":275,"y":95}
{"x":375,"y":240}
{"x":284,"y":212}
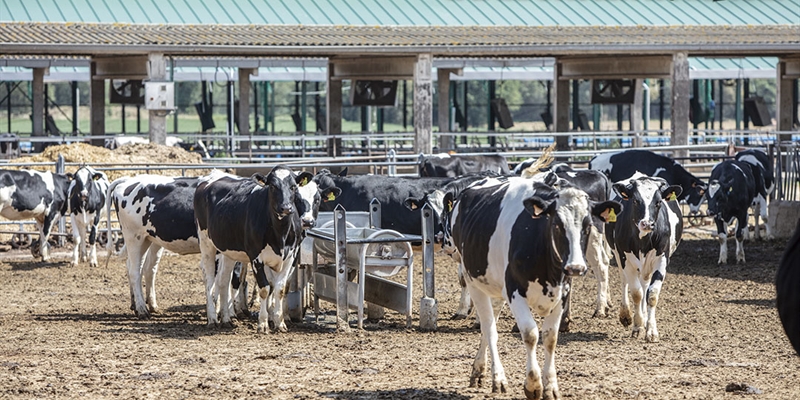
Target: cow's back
{"x":27,"y":194}
{"x":787,"y":281}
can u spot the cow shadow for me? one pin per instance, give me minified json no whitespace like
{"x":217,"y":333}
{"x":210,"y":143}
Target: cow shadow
{"x":36,"y":265}
{"x":699,"y":258}
{"x":761,"y":303}
{"x":410,"y":393}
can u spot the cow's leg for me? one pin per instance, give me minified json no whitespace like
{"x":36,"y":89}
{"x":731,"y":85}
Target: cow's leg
{"x":741,"y":235}
{"x":263,"y":294}
{"x":566,"y":316}
{"x":636,"y":293}
{"x":483,"y":306}
{"x":625,"y":309}
{"x":239,"y":283}
{"x":149,"y":271}
{"x":77,"y":237}
{"x":44,"y":236}
{"x":279,"y":284}
{"x":207,"y":264}
{"x":597,"y":258}
{"x":722,"y":238}
{"x":223,"y":282}
{"x":93,"y":239}
{"x":465,"y":302}
{"x":532,"y":386}
{"x":761,"y":211}
{"x":550,"y":331}
{"x":136,"y":249}
{"x":653,"y":290}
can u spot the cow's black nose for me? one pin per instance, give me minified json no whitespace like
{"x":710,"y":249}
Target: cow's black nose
{"x":286,"y":210}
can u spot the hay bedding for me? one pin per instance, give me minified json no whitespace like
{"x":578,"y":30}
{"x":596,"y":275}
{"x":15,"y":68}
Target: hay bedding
{"x":98,"y":157}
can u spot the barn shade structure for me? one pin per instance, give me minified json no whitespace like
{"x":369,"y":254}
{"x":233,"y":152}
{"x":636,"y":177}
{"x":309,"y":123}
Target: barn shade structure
{"x":402,"y":39}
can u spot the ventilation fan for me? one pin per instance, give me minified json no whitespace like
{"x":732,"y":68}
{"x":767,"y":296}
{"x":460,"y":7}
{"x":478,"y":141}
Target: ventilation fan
{"x":613,"y":91}
{"x":126,"y":92}
{"x":374,"y":93}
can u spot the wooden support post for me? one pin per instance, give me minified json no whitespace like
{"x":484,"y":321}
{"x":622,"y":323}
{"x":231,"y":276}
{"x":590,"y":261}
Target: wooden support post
{"x":97,"y":105}
{"x":636,"y":112}
{"x":38,"y":97}
{"x":560,"y":107}
{"x":446,"y":143}
{"x":783,"y":97}
{"x":244,"y":106}
{"x":157,"y":72}
{"x":333,"y":103}
{"x":680,"y":102}
{"x":423,"y":104}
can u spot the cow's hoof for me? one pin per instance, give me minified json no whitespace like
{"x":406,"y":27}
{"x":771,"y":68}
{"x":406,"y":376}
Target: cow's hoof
{"x":564,"y":326}
{"x":625,"y":319}
{"x":476,"y":380}
{"x":211,"y":325}
{"x":263,"y":328}
{"x":535,"y":394}
{"x":600,"y":313}
{"x":282,"y":328}
{"x":457,"y":317}
{"x":73,"y":264}
{"x":551,"y":394}
{"x":227,"y":325}
{"x":499,"y":385}
{"x":652,"y":337}
{"x":154,"y":309}
{"x":93,"y":264}
{"x":143,"y":314}
{"x":722,"y":261}
{"x":635,"y":332}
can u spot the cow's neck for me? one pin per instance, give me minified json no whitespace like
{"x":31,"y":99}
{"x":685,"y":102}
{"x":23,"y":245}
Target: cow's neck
{"x":554,"y":254}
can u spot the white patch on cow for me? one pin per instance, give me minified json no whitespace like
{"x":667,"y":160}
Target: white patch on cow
{"x":572,"y":208}
{"x":524,"y":164}
{"x":713,"y":189}
{"x":647,"y":188}
{"x":674,"y":222}
{"x":307,"y":193}
{"x":216,"y":175}
{"x":602,"y":162}
{"x":282,"y":173}
{"x":441,"y":155}
{"x":659,"y":170}
{"x":740,"y":170}
{"x":572,"y":174}
{"x":47,"y":177}
{"x":752,"y":160}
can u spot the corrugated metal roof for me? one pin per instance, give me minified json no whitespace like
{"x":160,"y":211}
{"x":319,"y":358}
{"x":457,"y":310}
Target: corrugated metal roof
{"x":700,"y":68}
{"x":409,"y":12}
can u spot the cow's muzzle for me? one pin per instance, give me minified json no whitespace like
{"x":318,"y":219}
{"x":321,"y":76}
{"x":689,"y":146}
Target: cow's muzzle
{"x":309,"y":223}
{"x":575,"y":269}
{"x":646,"y":225}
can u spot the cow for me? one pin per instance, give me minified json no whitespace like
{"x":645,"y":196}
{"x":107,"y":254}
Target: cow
{"x":26,"y":194}
{"x":787,"y":280}
{"x":87,"y":196}
{"x":157,"y":212}
{"x":9,"y":145}
{"x":518,"y":239}
{"x":358,"y":190}
{"x":621,"y":165}
{"x":451,"y":166}
{"x":252,"y":221}
{"x":643,"y":238}
{"x":731,"y":190}
{"x":760,"y":164}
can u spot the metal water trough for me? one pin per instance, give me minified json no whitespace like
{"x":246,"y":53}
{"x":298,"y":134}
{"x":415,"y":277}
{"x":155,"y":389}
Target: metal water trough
{"x":373,"y":254}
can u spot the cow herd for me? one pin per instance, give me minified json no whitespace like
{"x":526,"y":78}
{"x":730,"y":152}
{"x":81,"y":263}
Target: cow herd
{"x":517,"y":238}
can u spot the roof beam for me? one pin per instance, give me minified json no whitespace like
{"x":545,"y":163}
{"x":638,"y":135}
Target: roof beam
{"x":616,"y":67}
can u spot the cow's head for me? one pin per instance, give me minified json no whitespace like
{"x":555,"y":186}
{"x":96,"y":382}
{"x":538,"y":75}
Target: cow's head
{"x":83,"y":185}
{"x":644,"y":196}
{"x":718,"y":194}
{"x":309,"y":197}
{"x":569,"y":211}
{"x":696,"y":195}
{"x":282,"y":185}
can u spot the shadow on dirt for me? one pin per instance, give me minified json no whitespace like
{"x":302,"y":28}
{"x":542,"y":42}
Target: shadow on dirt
{"x":699,"y":258}
{"x":35,"y":265}
{"x":394,"y":394}
{"x":763,"y":303}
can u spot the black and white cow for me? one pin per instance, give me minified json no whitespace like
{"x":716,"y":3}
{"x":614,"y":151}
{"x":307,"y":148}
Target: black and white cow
{"x":252,"y":221}
{"x":787,"y":280}
{"x":622,"y":165}
{"x":29,"y":194}
{"x":643,"y":238}
{"x":731,"y":190}
{"x":451,"y":166}
{"x":157,"y":212}
{"x":87,"y":195}
{"x":760,"y":164}
{"x":518,"y":240}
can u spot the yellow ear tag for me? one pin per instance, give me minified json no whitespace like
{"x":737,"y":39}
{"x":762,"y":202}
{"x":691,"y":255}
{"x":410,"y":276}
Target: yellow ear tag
{"x":730,"y":189}
{"x":450,"y":205}
{"x":331,"y":196}
{"x":672,"y":197}
{"x":612,"y":216}
{"x":304,"y":182}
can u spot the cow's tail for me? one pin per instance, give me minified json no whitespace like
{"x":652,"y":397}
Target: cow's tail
{"x":543,"y":162}
{"x":109,"y":195}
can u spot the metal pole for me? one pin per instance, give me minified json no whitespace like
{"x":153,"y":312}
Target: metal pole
{"x":646,"y":100}
{"x":428,"y":308}
{"x":8,"y":104}
{"x":492,"y":118}
{"x":405,"y":104}
{"x":721,"y":98}
{"x":303,"y":105}
{"x":255,"y":106}
{"x":138,"y":118}
{"x":340,"y":238}
{"x":272,"y":106}
{"x":738,"y":104}
{"x":661,"y":104}
{"x":62,"y":225}
{"x":75,"y":104}
{"x":746,"y":140}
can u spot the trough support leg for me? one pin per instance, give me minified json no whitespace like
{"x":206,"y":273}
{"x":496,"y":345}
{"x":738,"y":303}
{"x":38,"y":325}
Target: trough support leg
{"x":340,"y":236}
{"x":428,"y":307}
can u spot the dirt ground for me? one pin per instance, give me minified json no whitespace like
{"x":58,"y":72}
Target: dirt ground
{"x":68,"y":333}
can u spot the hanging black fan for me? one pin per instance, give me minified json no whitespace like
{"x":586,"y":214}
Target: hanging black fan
{"x":613,"y":91}
{"x":126,"y":92}
{"x":374,"y":93}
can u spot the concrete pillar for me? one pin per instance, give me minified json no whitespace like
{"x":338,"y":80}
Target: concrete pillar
{"x":560,"y":107}
{"x":423,"y":104}
{"x":38,"y":107}
{"x":636,"y":111}
{"x":244,"y":104}
{"x":97,"y":106}
{"x":446,"y":143}
{"x":157,"y":72}
{"x":680,"y":101}
{"x":333,"y":105}
{"x":783,"y":98}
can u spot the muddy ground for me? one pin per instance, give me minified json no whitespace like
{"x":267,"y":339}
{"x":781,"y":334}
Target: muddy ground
{"x":68,"y":333}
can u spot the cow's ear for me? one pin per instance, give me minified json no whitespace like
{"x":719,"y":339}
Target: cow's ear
{"x":671,"y":192}
{"x":623,"y":190}
{"x":70,"y":176}
{"x":538,"y":206}
{"x":413,"y":203}
{"x":330,"y":194}
{"x":261,"y":180}
{"x":607,"y":210}
{"x":97,"y":176}
{"x":448,"y":202}
{"x":343,"y":172}
{"x":303,"y":178}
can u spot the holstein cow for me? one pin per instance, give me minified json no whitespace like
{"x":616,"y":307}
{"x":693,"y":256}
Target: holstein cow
{"x":622,"y":165}
{"x":87,"y":195}
{"x":731,"y":190}
{"x":787,"y":280}
{"x":251,"y":221}
{"x":157,"y":212}
{"x":518,"y":240}
{"x":643,"y":239}
{"x":760,"y":164}
{"x":42,"y":196}
{"x":451,"y":166}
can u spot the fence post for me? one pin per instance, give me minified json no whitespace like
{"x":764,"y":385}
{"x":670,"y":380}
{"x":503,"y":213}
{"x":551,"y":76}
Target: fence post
{"x":392,"y":162}
{"x":428,"y":308}
{"x":340,"y":239}
{"x":62,"y":224}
